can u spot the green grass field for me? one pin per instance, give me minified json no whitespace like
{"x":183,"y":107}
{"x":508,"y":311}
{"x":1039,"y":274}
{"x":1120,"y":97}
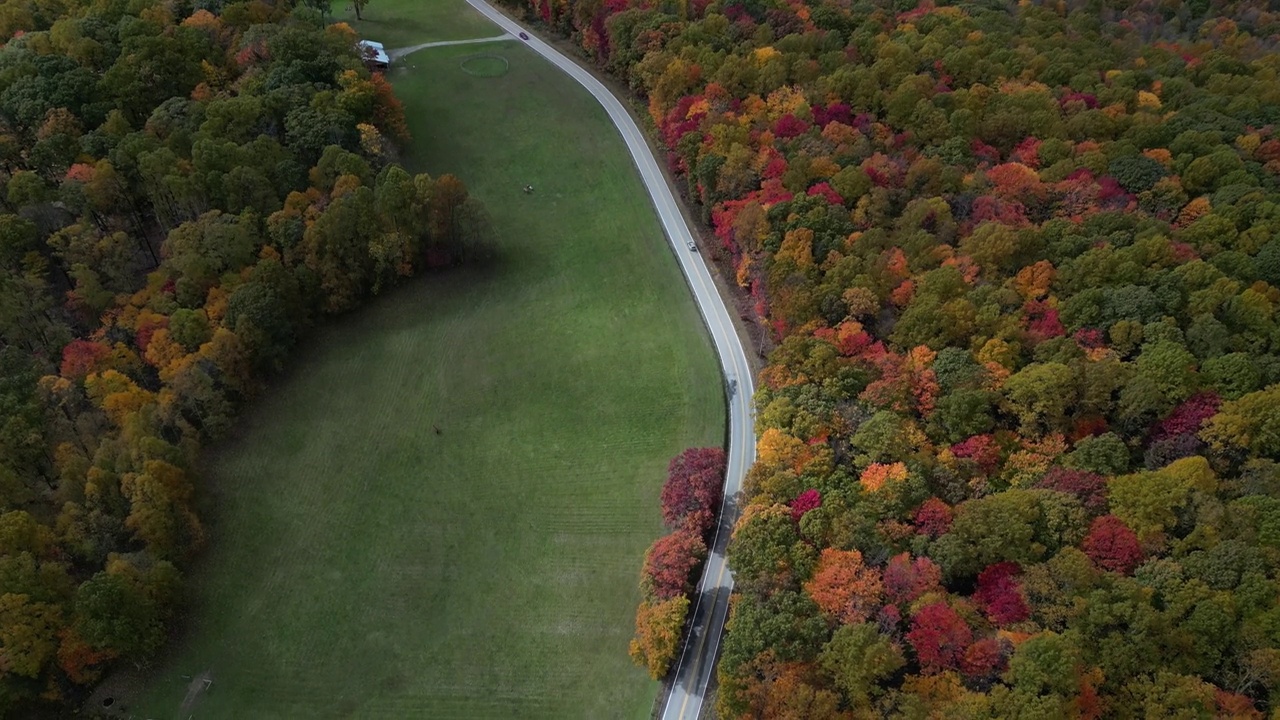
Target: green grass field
{"x":361,"y":565}
{"x":400,"y":23}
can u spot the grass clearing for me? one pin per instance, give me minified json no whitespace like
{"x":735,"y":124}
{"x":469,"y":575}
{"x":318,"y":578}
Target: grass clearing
{"x":399,"y":23}
{"x":485,"y":65}
{"x":362,"y":565}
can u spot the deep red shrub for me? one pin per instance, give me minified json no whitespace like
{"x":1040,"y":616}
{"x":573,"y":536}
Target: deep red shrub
{"x":983,"y":151}
{"x":1187,"y":417}
{"x":939,"y":637}
{"x":1088,"y":99}
{"x":1042,"y":320}
{"x":906,"y":579}
{"x":789,"y":126}
{"x":1162,"y":452}
{"x":1090,"y":488}
{"x":804,"y":502}
{"x":1089,"y":338}
{"x":695,"y":481}
{"x":1234,"y":705}
{"x":1183,"y":252}
{"x":775,"y":167}
{"x":146,"y":328}
{"x":1081,"y":175}
{"x":1027,"y":152}
{"x":1109,"y":191}
{"x":826,"y":192}
{"x":999,"y":594}
{"x":982,"y":449}
{"x":888,"y":619}
{"x":984,"y":658}
{"x":834,"y":112}
{"x":1005,"y":212}
{"x":669,"y":563}
{"x":933,"y":517}
{"x":1111,"y":545}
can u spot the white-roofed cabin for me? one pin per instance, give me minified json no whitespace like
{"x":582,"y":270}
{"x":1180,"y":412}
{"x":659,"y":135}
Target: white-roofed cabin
{"x":374,"y":54}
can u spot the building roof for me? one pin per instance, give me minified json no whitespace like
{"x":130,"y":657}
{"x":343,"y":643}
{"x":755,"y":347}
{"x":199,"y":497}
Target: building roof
{"x":379,"y":52}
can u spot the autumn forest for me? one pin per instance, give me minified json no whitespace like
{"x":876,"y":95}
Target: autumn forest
{"x":1020,"y":423}
{"x":184,"y":194}
{"x":1016,"y":266}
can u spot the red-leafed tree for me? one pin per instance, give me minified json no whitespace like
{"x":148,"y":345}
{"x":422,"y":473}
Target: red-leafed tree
{"x":789,"y":126}
{"x":80,"y":172}
{"x":81,"y":357}
{"x":984,"y":658}
{"x":844,"y":587}
{"x":933,"y":517}
{"x":1015,"y":181}
{"x":1090,"y":488}
{"x":1112,"y":545}
{"x":1027,"y":152}
{"x":983,"y":450}
{"x":999,"y":594}
{"x":906,"y":579}
{"x":669,"y":564}
{"x":888,"y":618}
{"x":826,"y":192}
{"x":1042,"y":320}
{"x":1187,"y":417}
{"x":691,"y":494}
{"x":939,"y":637}
{"x":78,"y":659}
{"x":1235,"y":705}
{"x":808,"y":500}
{"x":1089,"y":338}
{"x":906,"y":382}
{"x":1089,"y":704}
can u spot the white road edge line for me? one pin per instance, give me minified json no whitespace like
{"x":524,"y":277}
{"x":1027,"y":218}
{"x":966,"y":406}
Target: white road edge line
{"x":686,"y":697}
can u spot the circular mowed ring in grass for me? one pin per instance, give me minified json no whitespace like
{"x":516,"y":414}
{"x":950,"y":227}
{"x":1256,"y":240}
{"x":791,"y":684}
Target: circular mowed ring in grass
{"x":485,"y":65}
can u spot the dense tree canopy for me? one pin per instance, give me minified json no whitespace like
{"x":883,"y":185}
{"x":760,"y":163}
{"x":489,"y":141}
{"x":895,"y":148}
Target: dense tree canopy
{"x":1018,"y":263}
{"x":691,"y":508}
{"x":182,"y":194}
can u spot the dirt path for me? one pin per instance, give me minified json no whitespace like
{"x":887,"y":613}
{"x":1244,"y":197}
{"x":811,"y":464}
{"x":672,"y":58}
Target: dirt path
{"x":198,"y":685}
{"x":401,"y":52}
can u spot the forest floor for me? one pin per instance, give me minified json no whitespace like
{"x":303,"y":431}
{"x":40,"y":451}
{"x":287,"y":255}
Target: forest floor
{"x":362,"y":565}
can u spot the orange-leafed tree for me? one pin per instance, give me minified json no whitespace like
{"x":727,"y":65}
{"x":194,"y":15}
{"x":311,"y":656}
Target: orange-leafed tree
{"x":81,"y":661}
{"x":844,"y":587}
{"x":1032,"y":282}
{"x":795,"y":693}
{"x":81,"y":357}
{"x":388,"y":112}
{"x":877,"y":475}
{"x":658,"y":626}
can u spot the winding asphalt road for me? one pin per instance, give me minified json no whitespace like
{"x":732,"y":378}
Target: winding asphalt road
{"x":697,"y":657}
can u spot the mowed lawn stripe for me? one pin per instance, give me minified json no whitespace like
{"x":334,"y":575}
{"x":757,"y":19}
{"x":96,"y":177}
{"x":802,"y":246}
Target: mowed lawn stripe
{"x":361,"y":565}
